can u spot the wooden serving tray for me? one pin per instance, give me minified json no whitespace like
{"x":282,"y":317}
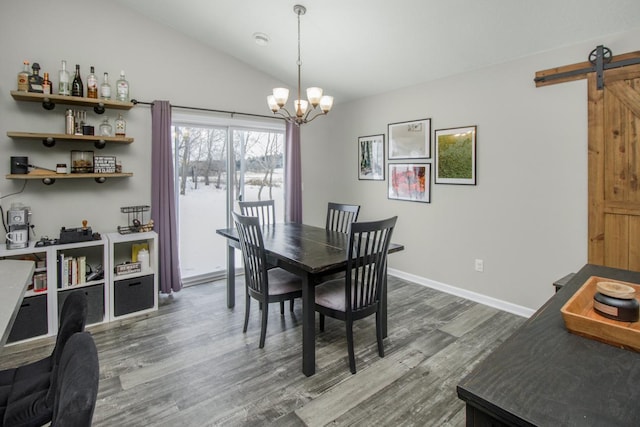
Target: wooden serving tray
{"x":580,"y":318}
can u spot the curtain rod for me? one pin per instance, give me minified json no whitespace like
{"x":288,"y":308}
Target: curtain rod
{"x":232,"y":113}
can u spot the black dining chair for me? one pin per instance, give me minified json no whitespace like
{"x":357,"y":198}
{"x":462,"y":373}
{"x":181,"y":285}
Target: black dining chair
{"x":264,"y":284}
{"x":357,"y":295}
{"x":265,"y":210}
{"x":340,"y":216}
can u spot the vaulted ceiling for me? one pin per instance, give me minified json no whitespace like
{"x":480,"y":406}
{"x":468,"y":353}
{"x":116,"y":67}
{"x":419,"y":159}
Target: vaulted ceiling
{"x":357,"y":48}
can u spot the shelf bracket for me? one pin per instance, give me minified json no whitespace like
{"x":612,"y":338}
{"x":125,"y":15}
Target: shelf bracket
{"x":48,"y":181}
{"x":99,"y":109}
{"x":48,"y":104}
{"x":101,"y":180}
{"x":49,"y":142}
{"x":100,"y":144}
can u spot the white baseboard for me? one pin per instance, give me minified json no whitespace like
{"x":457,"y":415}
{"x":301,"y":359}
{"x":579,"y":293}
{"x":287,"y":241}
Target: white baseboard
{"x":473,"y":296}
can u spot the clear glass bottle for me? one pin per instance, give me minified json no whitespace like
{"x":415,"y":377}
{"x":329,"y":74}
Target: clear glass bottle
{"x":46,"y":84}
{"x":23,"y":77}
{"x":121,"y":126}
{"x":105,"y":87}
{"x":92,"y":84}
{"x":77,"y":88}
{"x":105,"y":127}
{"x":122,"y":88}
{"x":35,"y":79}
{"x":64,"y":80}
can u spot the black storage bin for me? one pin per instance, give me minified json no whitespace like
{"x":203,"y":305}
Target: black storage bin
{"x":131,"y":295}
{"x":31,"y":320}
{"x":95,"y":302}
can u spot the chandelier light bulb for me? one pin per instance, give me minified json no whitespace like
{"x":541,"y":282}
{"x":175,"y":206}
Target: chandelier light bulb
{"x":313,"y":95}
{"x":281,"y":94}
{"x":326,"y":102}
{"x":301,"y":107}
{"x":273,"y":105}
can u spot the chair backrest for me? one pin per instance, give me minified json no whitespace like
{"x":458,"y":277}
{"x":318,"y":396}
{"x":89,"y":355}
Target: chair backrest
{"x":265,"y":210}
{"x":76,"y":383}
{"x":366,"y":265}
{"x":340,"y":216}
{"x":253,"y":254}
{"x":73,"y":318}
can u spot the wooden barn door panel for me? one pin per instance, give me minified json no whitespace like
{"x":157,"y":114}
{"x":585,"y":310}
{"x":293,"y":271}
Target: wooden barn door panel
{"x":614,"y":169}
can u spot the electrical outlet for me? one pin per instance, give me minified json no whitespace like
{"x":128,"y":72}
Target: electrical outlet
{"x":479,"y":265}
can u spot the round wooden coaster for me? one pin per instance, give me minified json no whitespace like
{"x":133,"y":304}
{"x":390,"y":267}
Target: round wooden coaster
{"x":616,"y":290}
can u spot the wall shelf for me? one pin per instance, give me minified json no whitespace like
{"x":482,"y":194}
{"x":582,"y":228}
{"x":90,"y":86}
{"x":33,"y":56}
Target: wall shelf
{"x":49,"y":178}
{"x":49,"y":139}
{"x":49,"y":101}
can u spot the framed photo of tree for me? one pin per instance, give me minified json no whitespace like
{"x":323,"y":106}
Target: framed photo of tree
{"x":410,"y":140}
{"x":371,"y":158}
{"x":455,"y":153}
{"x":410,"y":181}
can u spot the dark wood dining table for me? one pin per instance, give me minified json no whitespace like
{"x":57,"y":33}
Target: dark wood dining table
{"x":310,"y":252}
{"x":16,"y":275}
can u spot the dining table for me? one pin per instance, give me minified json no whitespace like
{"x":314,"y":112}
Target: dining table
{"x":16,"y":276}
{"x":313,"y":253}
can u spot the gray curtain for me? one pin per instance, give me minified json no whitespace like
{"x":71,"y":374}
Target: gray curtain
{"x":163,"y":202}
{"x":293,"y":175}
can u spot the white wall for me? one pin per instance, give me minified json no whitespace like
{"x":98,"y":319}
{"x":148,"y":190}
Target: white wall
{"x":159,"y":64}
{"x":527,"y":215}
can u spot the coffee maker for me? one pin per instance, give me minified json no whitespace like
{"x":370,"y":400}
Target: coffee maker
{"x":18,"y":219}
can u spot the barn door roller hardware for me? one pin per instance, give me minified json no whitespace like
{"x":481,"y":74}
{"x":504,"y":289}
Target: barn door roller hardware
{"x":600,"y":59}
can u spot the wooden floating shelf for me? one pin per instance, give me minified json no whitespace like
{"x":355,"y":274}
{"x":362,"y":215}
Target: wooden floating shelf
{"x":70,"y":100}
{"x":66,"y":137}
{"x":50,"y":177}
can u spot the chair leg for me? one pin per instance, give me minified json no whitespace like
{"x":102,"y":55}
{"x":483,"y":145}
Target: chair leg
{"x":352,"y":357}
{"x":379,"y":334}
{"x":247,"y":304}
{"x":321,"y":322}
{"x":282,"y":308}
{"x":291,"y":305}
{"x":263,"y":327}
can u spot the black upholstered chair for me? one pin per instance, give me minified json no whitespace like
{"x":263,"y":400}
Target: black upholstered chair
{"x":357,"y":294}
{"x":265,"y":210}
{"x":266,"y":285}
{"x":76,"y":383}
{"x":24,"y":391}
{"x":340,"y":216}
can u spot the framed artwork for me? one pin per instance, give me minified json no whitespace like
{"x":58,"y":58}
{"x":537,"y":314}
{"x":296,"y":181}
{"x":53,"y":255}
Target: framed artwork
{"x":410,"y":181}
{"x":371,"y":157}
{"x":410,"y":140}
{"x":455,"y":152}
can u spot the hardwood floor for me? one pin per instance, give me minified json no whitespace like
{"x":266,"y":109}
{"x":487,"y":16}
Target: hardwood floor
{"x":189,"y":364}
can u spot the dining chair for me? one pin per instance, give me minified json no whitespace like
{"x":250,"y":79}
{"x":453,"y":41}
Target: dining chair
{"x":264,"y":284}
{"x":265,"y":210}
{"x":357,"y":295}
{"x":340,"y":216}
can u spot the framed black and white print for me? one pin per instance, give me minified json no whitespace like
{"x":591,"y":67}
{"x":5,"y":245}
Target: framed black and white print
{"x":455,"y":152}
{"x":371,"y":157}
{"x":410,"y":140}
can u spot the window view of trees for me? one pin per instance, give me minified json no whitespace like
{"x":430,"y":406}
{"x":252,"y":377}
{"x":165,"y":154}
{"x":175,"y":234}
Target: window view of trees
{"x":202,"y":182}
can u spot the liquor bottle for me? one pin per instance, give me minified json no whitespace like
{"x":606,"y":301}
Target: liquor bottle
{"x":105,"y":127}
{"x":105,"y":88}
{"x":64,"y":87}
{"x":46,"y":84}
{"x":77,"y":88}
{"x":35,"y":79}
{"x":23,"y":78}
{"x":121,"y":126}
{"x":122,"y":88}
{"x":92,"y":84}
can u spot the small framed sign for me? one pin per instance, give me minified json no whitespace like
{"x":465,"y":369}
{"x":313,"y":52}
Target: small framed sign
{"x":104,"y":164}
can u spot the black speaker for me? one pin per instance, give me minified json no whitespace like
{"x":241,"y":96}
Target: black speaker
{"x":19,"y":165}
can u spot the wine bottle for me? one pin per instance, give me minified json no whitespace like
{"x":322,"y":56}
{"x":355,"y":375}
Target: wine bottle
{"x":122,"y":88}
{"x":105,"y":88}
{"x":23,"y":77}
{"x":64,"y":80}
{"x":77,"y":88}
{"x":35,"y":79}
{"x":92,"y":84}
{"x":46,"y":84}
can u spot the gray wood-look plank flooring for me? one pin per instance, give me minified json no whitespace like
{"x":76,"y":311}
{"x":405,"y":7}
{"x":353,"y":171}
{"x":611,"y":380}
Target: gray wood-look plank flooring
{"x":189,"y":364}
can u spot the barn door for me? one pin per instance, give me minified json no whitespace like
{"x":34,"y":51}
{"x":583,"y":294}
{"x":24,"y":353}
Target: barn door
{"x":614,"y":168}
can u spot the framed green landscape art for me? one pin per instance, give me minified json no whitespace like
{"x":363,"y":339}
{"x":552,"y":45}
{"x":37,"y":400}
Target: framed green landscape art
{"x":455,"y":154}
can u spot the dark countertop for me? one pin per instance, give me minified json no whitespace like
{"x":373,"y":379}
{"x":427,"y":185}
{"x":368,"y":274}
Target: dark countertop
{"x":544,"y":375}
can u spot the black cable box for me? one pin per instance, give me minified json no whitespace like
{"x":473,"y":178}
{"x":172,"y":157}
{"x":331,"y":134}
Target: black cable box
{"x":74,"y":235}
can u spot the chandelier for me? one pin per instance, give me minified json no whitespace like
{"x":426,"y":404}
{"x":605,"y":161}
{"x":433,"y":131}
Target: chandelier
{"x":315,"y":98}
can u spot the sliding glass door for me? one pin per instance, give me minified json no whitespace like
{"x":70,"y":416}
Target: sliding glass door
{"x":210,"y":178}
